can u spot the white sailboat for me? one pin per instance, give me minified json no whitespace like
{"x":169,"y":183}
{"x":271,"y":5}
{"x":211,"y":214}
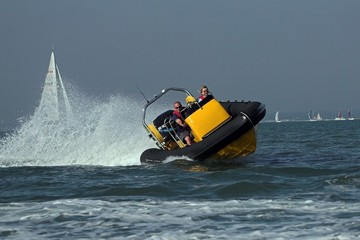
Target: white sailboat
{"x":277,"y":117}
{"x":318,"y":117}
{"x":54,"y":103}
{"x":311,"y":116}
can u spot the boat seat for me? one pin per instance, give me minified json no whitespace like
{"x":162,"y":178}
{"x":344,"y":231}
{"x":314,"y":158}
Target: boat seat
{"x":193,"y":107}
{"x":156,"y":133}
{"x":160,"y":120}
{"x":190,"y":100}
{"x":206,"y":100}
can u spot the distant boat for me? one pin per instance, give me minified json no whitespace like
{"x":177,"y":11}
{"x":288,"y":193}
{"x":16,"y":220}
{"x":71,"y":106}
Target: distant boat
{"x":318,"y":117}
{"x":339,"y":116}
{"x":277,"y":117}
{"x":349,"y":117}
{"x":54,"y":104}
{"x":312,"y":117}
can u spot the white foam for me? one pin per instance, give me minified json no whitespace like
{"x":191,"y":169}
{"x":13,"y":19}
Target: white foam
{"x":183,"y":219}
{"x":107,"y":132}
{"x":174,"y":158}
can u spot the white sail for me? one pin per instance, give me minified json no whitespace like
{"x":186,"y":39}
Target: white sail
{"x":49,"y":97}
{"x":277,"y":117}
{"x":318,"y":117}
{"x":313,"y":117}
{"x":68,"y":108}
{"x":54,"y":103}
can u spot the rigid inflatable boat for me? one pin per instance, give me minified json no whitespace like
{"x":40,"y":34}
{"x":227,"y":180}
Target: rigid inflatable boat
{"x":221,"y":130}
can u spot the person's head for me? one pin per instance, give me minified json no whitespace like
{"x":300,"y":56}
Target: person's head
{"x":177,"y":106}
{"x":204,"y":90}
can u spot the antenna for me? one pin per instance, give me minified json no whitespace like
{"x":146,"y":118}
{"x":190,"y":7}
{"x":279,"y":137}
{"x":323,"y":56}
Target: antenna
{"x":142,"y":93}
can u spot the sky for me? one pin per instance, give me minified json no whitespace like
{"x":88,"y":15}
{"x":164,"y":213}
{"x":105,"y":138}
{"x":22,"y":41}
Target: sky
{"x":290,"y":55}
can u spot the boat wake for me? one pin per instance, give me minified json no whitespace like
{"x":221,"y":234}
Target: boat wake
{"x":100,"y":132}
{"x":177,"y":158}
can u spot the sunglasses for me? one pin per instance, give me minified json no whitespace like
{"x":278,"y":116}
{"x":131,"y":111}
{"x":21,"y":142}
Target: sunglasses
{"x":178,"y":107}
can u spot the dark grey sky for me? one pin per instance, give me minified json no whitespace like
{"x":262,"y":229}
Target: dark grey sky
{"x":290,"y":55}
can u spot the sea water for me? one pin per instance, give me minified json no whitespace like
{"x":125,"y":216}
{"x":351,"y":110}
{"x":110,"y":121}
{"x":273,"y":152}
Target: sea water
{"x":83,"y":179}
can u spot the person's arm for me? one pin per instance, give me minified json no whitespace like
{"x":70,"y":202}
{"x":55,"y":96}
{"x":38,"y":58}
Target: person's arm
{"x":178,"y":121}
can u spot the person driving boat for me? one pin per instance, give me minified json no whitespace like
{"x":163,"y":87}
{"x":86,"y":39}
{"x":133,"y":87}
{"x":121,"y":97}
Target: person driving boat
{"x":182,"y":130}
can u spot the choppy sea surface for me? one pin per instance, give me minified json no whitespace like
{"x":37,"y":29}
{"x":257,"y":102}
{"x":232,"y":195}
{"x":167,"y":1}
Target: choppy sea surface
{"x":84,"y":180}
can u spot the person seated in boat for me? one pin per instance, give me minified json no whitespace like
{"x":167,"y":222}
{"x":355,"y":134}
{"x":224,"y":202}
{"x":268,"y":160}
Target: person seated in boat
{"x":204,"y":91}
{"x":182,"y":129}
